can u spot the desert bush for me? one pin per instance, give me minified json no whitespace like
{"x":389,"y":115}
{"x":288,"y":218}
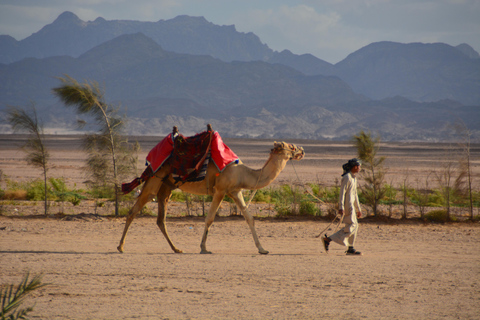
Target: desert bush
{"x":283,"y":210}
{"x":14,"y":195}
{"x":308,"y":208}
{"x":178,"y":196}
{"x":123,"y":211}
{"x":439,"y":216}
{"x":146,"y":211}
{"x":60,"y":192}
{"x":30,"y":190}
{"x":390,"y":196}
{"x":262,"y":195}
{"x":290,"y":201}
{"x":326,"y":194}
{"x":101,"y":192}
{"x":476,"y":198}
{"x":36,"y":190}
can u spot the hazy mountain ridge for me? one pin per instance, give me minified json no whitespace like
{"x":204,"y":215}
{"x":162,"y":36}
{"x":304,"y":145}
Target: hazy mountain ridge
{"x":420,"y":72}
{"x":68,"y":35}
{"x":159,"y":88}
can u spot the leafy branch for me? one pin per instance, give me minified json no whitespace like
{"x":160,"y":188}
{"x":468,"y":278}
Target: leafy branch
{"x":12,"y":298}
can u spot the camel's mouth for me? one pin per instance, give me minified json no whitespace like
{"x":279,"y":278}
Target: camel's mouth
{"x":297,"y":153}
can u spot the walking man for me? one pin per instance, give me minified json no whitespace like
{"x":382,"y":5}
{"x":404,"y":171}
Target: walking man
{"x":350,"y":206}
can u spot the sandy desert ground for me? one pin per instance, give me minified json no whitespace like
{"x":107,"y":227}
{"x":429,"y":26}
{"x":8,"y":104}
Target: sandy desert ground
{"x":409,"y":270}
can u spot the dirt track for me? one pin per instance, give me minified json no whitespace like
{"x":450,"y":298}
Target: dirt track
{"x":408,"y":271}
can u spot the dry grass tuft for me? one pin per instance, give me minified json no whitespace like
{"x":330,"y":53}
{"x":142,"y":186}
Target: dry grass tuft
{"x":15,"y":195}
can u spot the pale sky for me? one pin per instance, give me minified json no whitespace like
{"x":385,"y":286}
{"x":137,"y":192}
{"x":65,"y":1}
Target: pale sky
{"x":328,"y":29}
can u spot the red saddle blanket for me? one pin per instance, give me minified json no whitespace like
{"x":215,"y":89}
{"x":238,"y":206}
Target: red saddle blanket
{"x":187,"y":156}
{"x":195,"y":150}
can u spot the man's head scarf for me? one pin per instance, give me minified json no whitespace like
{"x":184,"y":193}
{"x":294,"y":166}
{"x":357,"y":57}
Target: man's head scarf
{"x":350,"y":164}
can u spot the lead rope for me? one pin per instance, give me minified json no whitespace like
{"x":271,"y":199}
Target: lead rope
{"x":308,"y":191}
{"x":256,"y":184}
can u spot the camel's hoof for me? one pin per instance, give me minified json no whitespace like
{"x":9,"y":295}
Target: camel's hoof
{"x":205,"y":252}
{"x":120,"y":249}
{"x":177,"y":251}
{"x":263,"y":251}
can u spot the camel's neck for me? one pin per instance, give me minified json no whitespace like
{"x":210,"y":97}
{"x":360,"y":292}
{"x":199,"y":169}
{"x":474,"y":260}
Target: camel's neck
{"x":270,"y":171}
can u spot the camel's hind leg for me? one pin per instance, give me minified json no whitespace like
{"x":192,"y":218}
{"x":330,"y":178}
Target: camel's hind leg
{"x":238,"y":198}
{"x":149,"y":191}
{"x":216,"y":201}
{"x":163,"y":196}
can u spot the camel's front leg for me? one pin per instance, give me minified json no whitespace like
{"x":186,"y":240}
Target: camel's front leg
{"x":163,"y":196}
{"x":238,"y":198}
{"x":148,"y":193}
{"x":216,"y":201}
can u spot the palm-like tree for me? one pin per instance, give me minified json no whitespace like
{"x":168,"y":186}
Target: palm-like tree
{"x":37,"y":154}
{"x":12,"y":299}
{"x":87,"y":98}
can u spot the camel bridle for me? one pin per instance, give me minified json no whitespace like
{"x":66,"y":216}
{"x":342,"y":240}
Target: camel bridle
{"x":294,"y":152}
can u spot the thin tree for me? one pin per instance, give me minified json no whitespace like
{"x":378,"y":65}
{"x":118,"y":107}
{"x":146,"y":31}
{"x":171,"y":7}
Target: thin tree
{"x":421,"y":195}
{"x":373,"y":172}
{"x":463,"y":183}
{"x":444,"y":175}
{"x":405,"y":191}
{"x":88,"y":99}
{"x":37,"y":154}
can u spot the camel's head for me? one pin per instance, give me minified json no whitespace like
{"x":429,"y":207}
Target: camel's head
{"x":289,"y":149}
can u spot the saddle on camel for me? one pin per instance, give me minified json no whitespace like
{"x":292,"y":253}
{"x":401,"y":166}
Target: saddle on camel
{"x":203,"y":165}
{"x":188,"y":157}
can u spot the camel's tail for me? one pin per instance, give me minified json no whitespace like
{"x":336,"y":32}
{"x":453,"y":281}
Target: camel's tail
{"x":129,"y":187}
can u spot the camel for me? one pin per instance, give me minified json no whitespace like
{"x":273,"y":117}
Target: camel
{"x":231,"y":181}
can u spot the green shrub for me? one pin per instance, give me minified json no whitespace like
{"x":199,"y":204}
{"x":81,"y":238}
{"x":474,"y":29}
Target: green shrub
{"x":309,"y":209}
{"x":476,"y":198}
{"x":178,"y":196}
{"x":36,"y":190}
{"x":101,"y":192}
{"x":438,"y":216}
{"x":147,"y":212}
{"x":283,"y":210}
{"x":326,"y":194}
{"x":123,"y":212}
{"x":262,"y":195}
{"x":60,"y":192}
{"x":390,"y":196}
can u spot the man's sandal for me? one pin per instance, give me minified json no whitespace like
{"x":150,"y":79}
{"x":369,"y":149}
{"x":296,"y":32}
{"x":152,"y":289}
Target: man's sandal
{"x":326,"y":243}
{"x":353,"y":252}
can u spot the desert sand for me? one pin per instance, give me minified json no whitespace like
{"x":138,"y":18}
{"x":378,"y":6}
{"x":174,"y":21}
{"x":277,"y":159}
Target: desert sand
{"x":408,"y":270}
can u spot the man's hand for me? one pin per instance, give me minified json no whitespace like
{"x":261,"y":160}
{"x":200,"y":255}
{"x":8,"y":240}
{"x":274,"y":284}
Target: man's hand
{"x":359,"y":214}
{"x":340,"y":212}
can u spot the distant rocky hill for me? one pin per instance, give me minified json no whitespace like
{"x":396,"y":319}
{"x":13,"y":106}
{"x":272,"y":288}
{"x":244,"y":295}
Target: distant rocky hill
{"x":420,"y":72}
{"x":158,"y":89}
{"x":68,"y":35}
{"x":244,"y":89}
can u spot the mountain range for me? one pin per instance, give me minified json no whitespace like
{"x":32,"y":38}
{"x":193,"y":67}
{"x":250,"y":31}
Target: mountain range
{"x":187,"y":71}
